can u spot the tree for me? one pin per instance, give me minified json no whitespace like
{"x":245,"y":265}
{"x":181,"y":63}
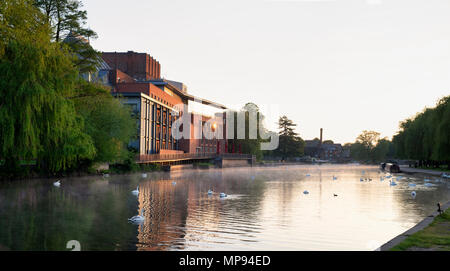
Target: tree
{"x":381,"y":151}
{"x":64,"y":17}
{"x":370,"y":148}
{"x":248,"y":145}
{"x":368,"y":139}
{"x":37,"y":121}
{"x":108,"y":122}
{"x":19,"y":19}
{"x":67,"y":21}
{"x":291,"y":145}
{"x":425,"y":137}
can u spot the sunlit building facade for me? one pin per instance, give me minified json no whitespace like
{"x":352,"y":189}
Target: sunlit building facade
{"x":155,"y":103}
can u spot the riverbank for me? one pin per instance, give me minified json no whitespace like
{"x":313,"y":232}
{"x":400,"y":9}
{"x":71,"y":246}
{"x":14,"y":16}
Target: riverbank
{"x":432,"y":233}
{"x":408,"y":170}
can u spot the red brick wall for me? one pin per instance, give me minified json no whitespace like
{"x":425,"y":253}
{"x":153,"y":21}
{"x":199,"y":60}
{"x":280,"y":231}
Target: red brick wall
{"x":150,"y":90}
{"x":140,"y":66}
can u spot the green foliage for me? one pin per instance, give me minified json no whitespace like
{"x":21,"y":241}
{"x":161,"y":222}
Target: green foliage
{"x":19,"y":19}
{"x":108,"y":122}
{"x":291,"y":145}
{"x":64,"y":17}
{"x":370,"y":148}
{"x":67,"y":19}
{"x":46,"y":114}
{"x":426,"y":136}
{"x":37,"y":121}
{"x":248,"y":145}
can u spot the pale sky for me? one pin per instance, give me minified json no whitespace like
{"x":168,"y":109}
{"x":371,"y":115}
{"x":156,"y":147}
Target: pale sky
{"x":342,"y":65}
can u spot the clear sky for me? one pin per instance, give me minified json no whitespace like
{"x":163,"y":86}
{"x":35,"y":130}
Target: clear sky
{"x":341,"y":65}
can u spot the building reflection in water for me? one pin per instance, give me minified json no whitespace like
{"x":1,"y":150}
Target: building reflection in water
{"x":270,"y":211}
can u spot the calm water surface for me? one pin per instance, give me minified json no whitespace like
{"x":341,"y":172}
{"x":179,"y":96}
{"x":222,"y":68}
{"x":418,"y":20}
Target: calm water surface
{"x":266,"y":210}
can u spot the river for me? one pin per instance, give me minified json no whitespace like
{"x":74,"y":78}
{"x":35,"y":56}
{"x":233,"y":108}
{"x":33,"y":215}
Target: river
{"x":266,"y":209}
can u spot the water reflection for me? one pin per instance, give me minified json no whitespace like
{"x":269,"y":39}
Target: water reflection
{"x":266,"y":210}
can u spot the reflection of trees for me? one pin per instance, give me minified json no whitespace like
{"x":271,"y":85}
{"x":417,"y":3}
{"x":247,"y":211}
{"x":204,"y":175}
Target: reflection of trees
{"x":40,"y":217}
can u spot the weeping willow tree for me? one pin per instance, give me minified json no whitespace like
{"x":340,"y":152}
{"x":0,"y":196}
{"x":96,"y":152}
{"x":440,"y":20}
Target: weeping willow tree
{"x":37,"y":120}
{"x":426,"y":136}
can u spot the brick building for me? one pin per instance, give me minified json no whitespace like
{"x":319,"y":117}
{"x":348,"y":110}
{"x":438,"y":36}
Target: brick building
{"x":136,"y":79}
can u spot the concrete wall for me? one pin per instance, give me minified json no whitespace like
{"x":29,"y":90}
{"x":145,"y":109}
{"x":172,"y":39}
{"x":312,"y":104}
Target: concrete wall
{"x":234,"y":163}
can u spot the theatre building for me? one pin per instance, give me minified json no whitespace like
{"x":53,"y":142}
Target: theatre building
{"x":136,"y":79}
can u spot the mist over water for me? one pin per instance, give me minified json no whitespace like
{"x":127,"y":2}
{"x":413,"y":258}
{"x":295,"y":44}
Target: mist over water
{"x":266,"y":209}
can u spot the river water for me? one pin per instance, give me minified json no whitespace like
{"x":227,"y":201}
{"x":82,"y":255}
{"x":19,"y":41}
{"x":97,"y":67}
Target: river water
{"x":266,"y":209}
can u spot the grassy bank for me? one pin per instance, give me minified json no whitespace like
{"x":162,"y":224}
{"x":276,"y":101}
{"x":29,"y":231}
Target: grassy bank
{"x":435,"y":237}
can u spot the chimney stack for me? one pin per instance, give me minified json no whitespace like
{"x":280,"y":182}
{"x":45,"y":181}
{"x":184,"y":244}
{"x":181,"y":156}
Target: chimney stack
{"x":321,"y":136}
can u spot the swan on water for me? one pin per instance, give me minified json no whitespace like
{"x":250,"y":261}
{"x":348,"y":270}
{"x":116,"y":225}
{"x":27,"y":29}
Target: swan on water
{"x":210,"y":192}
{"x":223,"y":195}
{"x":144,"y":175}
{"x":138,"y":218}
{"x":57,"y":184}
{"x":413,"y":194}
{"x":335,"y":178}
{"x":105,"y":175}
{"x":306,"y":192}
{"x":136,"y":192}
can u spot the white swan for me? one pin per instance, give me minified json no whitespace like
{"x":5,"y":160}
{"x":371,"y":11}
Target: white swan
{"x":105,"y":175}
{"x":210,"y":192}
{"x":306,"y":192}
{"x":413,"y":194}
{"x":144,"y":175}
{"x":138,"y":218}
{"x":223,"y":195}
{"x":57,"y":184}
{"x":136,"y":192}
{"x":335,"y":178}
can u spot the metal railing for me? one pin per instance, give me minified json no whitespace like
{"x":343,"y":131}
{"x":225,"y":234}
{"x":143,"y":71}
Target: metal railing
{"x":191,"y":156}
